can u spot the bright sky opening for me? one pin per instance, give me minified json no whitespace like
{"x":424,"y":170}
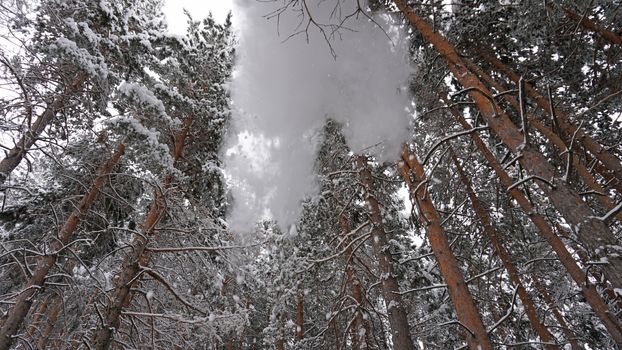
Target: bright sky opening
{"x":199,"y":9}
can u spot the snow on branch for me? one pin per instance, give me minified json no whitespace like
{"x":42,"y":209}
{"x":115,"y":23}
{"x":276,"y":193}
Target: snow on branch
{"x":450,"y":137}
{"x":613,"y":212}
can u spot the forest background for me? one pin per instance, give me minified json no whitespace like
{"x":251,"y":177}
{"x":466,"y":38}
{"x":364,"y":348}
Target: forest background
{"x":338,"y":174}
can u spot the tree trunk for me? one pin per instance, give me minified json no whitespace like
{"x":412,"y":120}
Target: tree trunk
{"x":597,"y":150}
{"x":468,"y":315}
{"x":28,"y":139}
{"x":593,"y":26}
{"x":280,"y":340}
{"x":38,"y":314}
{"x":546,"y":231}
{"x":230,"y":342}
{"x":335,"y":328}
{"x":45,"y":263}
{"x":51,"y":322}
{"x":131,"y":267}
{"x":600,"y":279}
{"x":607,"y":174}
{"x":300,"y":318}
{"x":572,"y":339}
{"x":592,"y":232}
{"x":359,"y":329}
{"x":400,"y":330}
{"x":561,"y":145}
{"x":506,"y":260}
{"x":240,"y":341}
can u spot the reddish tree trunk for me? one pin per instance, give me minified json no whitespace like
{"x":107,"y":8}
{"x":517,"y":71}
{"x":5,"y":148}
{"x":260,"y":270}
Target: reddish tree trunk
{"x":572,"y":339}
{"x":335,"y":328}
{"x":546,"y":231}
{"x":601,"y":281}
{"x":400,"y":330}
{"x":38,"y":314}
{"x":561,"y":145}
{"x":240,"y":341}
{"x":300,"y":318}
{"x":506,"y":260}
{"x":230,"y":342}
{"x":51,"y":322}
{"x":28,"y":139}
{"x":592,"y":232}
{"x":131,"y":267}
{"x":468,"y":315}
{"x":593,"y":26}
{"x":280,"y":341}
{"x":611,"y":162}
{"x":24,"y":300}
{"x":359,"y":326}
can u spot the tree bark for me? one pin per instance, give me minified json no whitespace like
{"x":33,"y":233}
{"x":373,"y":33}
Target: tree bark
{"x":466,"y":311}
{"x":592,"y":232}
{"x":506,"y":260}
{"x":300,"y":318}
{"x":38,"y":314}
{"x":600,"y":279}
{"x":593,"y":26}
{"x":359,"y":326}
{"x":546,"y":231}
{"x":610,"y":161}
{"x":24,"y":300}
{"x":131,"y":267}
{"x":400,"y":329}
{"x":572,"y":339}
{"x":280,"y":341}
{"x":230,"y":342}
{"x":28,"y":138}
{"x":608,"y":175}
{"x":561,"y":145}
{"x":51,"y":322}
{"x":336,"y":332}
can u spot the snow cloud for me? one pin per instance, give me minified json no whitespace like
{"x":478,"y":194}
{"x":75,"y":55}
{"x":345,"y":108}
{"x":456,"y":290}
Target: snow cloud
{"x":285,"y":87}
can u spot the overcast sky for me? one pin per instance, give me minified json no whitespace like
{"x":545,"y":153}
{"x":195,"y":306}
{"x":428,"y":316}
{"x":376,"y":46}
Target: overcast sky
{"x":197,"y":8}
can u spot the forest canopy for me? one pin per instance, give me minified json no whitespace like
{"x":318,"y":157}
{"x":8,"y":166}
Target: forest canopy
{"x":311,"y":174}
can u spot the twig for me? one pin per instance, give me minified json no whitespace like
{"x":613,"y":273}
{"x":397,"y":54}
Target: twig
{"x":529,"y":178}
{"x":613,"y":212}
{"x":459,"y":324}
{"x":552,"y":110}
{"x":202,"y":249}
{"x":590,"y":192}
{"x":483,"y":274}
{"x":570,"y":153}
{"x":170,"y":288}
{"x":348,"y":246}
{"x":512,"y":161}
{"x":508,"y":314}
{"x":173,"y":317}
{"x":523,"y":117}
{"x":600,"y":101}
{"x":450,"y":137}
{"x":434,"y":286}
{"x":493,"y":103}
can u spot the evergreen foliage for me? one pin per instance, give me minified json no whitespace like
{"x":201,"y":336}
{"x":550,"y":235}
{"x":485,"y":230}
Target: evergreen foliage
{"x":151,"y":262}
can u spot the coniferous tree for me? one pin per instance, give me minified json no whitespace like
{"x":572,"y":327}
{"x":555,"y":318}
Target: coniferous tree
{"x":511,"y":238}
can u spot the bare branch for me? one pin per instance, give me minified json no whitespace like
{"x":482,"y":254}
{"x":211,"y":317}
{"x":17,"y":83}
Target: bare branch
{"x":529,"y":178}
{"x":450,"y":137}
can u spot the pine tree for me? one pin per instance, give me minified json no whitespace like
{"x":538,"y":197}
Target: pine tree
{"x":511,"y":238}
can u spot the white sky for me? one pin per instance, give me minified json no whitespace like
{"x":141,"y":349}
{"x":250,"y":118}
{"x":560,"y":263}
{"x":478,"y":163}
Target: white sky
{"x":173,"y":9}
{"x":284,"y":91}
